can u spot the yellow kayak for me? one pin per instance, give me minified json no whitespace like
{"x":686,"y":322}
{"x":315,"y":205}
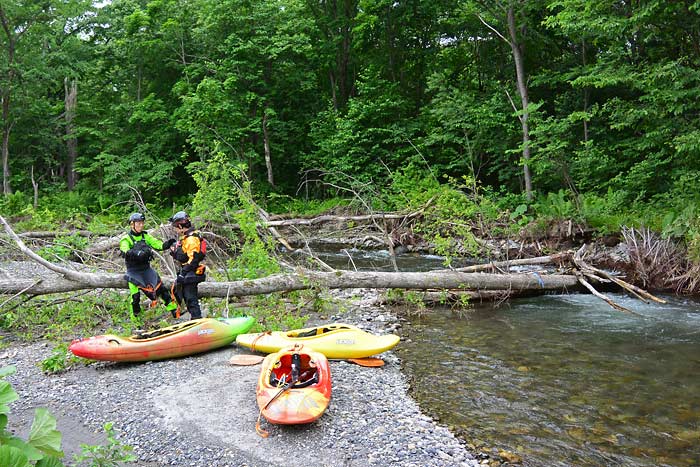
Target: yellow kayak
{"x":339,"y":341}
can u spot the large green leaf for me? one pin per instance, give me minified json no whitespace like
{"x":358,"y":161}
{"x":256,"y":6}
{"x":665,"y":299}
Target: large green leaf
{"x":7,"y":371}
{"x":7,"y":395}
{"x":32,"y":453}
{"x":12,"y":457}
{"x":44,"y":436}
{"x":50,"y":462}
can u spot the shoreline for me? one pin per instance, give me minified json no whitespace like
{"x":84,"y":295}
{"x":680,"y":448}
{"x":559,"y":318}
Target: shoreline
{"x":201,"y":411}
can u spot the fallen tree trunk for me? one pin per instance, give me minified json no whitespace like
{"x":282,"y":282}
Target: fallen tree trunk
{"x":50,"y":234}
{"x":308,"y":280}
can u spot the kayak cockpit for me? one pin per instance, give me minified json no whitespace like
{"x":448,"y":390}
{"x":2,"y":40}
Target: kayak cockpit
{"x":296,"y":370}
{"x":318,"y":331}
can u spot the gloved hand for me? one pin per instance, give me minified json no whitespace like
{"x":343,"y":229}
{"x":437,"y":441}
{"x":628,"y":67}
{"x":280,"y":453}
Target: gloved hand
{"x":180,"y":279}
{"x":168,"y":243}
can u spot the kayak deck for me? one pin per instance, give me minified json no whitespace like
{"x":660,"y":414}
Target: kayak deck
{"x":339,"y":341}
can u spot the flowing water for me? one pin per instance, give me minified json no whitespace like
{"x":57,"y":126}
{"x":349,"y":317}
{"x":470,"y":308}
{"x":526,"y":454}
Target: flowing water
{"x":561,"y":380}
{"x":564,"y":380}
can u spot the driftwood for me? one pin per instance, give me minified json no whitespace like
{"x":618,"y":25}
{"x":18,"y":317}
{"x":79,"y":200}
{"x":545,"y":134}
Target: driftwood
{"x":70,"y":280}
{"x":339,"y":219}
{"x":558,"y":259}
{"x":51,"y":234}
{"x":586,"y":270}
{"x":307,"y":280}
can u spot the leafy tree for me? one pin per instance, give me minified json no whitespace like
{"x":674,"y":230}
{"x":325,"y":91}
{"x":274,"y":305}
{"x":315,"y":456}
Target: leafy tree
{"x":257,"y":86}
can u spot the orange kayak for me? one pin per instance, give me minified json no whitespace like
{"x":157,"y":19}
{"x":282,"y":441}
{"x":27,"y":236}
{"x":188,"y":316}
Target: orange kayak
{"x":182,"y":339}
{"x":294,"y":386}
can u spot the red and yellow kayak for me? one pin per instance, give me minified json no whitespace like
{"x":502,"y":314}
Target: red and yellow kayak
{"x":294,"y":386}
{"x":335,"y":341}
{"x":179,"y":340}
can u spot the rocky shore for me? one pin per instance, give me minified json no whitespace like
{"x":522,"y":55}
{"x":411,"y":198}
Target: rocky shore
{"x":201,"y":411}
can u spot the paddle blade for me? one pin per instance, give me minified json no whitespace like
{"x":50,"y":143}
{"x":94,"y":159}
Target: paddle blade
{"x":367,"y":361}
{"x":245,"y":359}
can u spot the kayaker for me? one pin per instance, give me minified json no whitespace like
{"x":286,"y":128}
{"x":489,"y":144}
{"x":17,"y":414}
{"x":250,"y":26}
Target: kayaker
{"x":137,"y":250}
{"x":189,"y":252}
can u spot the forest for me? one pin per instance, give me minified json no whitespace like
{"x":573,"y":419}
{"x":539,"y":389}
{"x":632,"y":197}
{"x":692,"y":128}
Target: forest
{"x":511,"y":110}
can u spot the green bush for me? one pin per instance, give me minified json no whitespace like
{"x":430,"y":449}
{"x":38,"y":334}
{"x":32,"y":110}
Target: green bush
{"x":111,"y":455}
{"x":14,"y":204}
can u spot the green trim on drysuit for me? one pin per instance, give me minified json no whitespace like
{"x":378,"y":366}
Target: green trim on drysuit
{"x":127,"y":243}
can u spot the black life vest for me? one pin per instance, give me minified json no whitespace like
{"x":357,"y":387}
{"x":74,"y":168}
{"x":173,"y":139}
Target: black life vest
{"x":142,"y":251}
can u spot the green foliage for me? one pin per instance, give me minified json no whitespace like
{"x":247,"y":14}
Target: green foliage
{"x":607,"y":213}
{"x":410,"y":299}
{"x":274,"y":314}
{"x":13,"y":204}
{"x":254,"y":257}
{"x":285,"y":204}
{"x":59,"y":319}
{"x":60,"y":359}
{"x":63,"y":247}
{"x":111,"y":455}
{"x":556,"y":206}
{"x":456,"y":208}
{"x":360,"y":141}
{"x":411,"y":187}
{"x":216,"y":182}
{"x":43,"y":445}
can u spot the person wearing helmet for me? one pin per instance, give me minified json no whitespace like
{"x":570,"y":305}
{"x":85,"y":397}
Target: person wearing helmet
{"x":136,"y":248}
{"x":189,"y":253}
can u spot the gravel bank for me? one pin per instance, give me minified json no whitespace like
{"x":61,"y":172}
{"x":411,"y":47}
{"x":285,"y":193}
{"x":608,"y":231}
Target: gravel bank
{"x":201,"y":411}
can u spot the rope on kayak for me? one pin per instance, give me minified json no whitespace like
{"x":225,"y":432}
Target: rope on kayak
{"x":285,"y":386}
{"x":252,"y":345}
{"x":258,"y":428}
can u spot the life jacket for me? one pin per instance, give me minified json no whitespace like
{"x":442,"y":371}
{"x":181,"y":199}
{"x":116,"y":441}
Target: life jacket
{"x":140,"y":246}
{"x":182,"y":257}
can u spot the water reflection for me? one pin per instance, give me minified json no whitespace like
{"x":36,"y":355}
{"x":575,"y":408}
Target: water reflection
{"x":565,"y":380}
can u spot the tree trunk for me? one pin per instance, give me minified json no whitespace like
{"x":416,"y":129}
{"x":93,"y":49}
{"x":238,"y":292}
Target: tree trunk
{"x":35,"y":186}
{"x":522,"y":89}
{"x":266,"y":144}
{"x":6,"y":128}
{"x":6,"y":124}
{"x":71,"y":89}
{"x":303,"y":281}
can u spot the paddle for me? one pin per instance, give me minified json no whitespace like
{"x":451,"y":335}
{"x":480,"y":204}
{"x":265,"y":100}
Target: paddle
{"x":246,"y":359}
{"x":367,"y":361}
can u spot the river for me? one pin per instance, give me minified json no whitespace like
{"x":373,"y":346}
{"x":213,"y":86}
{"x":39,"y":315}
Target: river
{"x":560,"y":380}
{"x":564,"y":380}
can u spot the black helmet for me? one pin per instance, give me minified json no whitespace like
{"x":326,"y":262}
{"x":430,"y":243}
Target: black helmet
{"x":180,"y":219}
{"x":137,"y":217}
